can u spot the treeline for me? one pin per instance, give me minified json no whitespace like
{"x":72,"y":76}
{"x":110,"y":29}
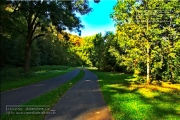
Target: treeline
{"x":146,"y":42}
{"x":24,"y":22}
{"x":149,"y":33}
{"x":52,"y":49}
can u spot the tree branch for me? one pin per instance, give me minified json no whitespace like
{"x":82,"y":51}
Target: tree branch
{"x":16,"y":6}
{"x":34,"y":20}
{"x":40,"y":35}
{"x":35,"y":26}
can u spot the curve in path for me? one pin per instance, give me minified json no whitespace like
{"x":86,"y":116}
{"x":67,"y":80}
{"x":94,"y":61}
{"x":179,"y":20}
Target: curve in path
{"x":23,"y":94}
{"x":84,"y":101}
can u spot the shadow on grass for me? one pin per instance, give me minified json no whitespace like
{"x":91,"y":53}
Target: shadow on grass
{"x":130,"y":101}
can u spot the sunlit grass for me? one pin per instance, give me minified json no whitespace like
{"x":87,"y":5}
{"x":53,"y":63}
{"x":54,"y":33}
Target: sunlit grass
{"x":48,"y":99}
{"x":130,"y":101}
{"x":15,"y":77}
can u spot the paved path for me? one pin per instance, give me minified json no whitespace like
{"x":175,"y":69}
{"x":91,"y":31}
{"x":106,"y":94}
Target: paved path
{"x":21,"y":95}
{"x":83,"y":101}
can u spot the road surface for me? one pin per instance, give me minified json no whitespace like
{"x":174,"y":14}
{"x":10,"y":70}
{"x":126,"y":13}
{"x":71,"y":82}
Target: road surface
{"x":23,"y":94}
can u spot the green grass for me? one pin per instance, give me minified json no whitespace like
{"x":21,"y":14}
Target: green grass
{"x":15,"y":77}
{"x":49,"y":99}
{"x":129,"y":101}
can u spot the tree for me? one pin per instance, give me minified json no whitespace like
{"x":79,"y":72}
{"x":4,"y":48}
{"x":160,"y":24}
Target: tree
{"x":38,"y":14}
{"x":143,"y":26}
{"x":11,"y":39}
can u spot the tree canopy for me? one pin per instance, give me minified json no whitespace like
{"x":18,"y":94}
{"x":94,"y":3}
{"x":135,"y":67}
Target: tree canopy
{"x":146,"y":41}
{"x":31,"y":18}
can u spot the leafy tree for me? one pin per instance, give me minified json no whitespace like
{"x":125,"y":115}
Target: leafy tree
{"x":141,"y":28}
{"x":38,"y":14}
{"x":88,"y":50}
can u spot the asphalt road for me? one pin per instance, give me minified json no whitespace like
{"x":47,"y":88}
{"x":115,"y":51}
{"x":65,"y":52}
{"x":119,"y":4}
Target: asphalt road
{"x":84,"y":101}
{"x":23,"y":94}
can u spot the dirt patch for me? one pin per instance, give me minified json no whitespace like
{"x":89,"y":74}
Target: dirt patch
{"x":96,"y":114}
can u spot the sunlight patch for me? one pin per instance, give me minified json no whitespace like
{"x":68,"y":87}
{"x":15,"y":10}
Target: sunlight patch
{"x":41,"y":71}
{"x":148,"y":92}
{"x":113,"y":91}
{"x":131,"y":79}
{"x":54,"y":71}
{"x":117,"y":86}
{"x":100,"y":80}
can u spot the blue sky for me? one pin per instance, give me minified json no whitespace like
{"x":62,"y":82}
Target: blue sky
{"x":99,"y":19}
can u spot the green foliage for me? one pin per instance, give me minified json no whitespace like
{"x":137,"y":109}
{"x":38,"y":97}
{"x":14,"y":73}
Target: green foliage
{"x":31,"y":19}
{"x":145,"y":40}
{"x":100,"y":51}
{"x":148,"y":33}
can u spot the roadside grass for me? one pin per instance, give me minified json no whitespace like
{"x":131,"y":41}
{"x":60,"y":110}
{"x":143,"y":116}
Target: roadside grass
{"x":48,"y":99}
{"x":130,"y":101}
{"x":15,"y":77}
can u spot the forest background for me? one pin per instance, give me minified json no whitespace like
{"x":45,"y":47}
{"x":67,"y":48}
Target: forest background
{"x":146,"y":42}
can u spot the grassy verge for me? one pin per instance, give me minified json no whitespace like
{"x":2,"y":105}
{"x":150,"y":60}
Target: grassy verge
{"x":15,"y":77}
{"x":49,"y":99}
{"x":130,"y":101}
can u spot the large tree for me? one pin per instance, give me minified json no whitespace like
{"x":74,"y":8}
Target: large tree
{"x":37,"y":15}
{"x":149,"y":30}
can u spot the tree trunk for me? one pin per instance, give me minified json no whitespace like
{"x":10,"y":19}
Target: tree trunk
{"x":171,"y":71}
{"x":28,"y":45}
{"x":27,"y":57}
{"x":148,"y":65}
{"x":32,"y":25}
{"x":148,"y":56}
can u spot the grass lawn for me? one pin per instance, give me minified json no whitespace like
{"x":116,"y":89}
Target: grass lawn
{"x":15,"y":77}
{"x":48,"y":99}
{"x":130,"y":101}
